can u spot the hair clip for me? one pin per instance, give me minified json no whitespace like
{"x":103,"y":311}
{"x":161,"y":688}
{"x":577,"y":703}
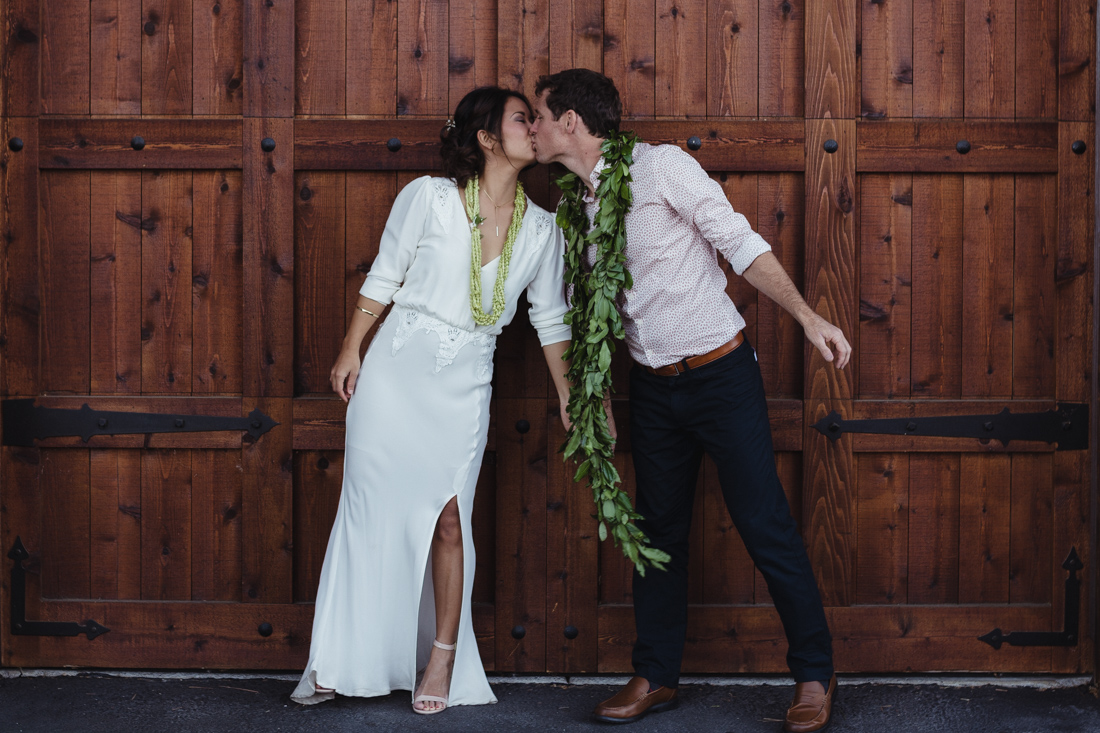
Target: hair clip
{"x":450,"y":124}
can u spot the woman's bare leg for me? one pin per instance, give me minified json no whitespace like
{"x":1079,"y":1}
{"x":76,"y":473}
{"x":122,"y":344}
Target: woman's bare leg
{"x":447,"y":579}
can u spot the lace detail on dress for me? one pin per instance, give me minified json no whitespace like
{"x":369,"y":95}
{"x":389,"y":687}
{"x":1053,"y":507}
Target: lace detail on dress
{"x":542,"y":224}
{"x":451,"y":339}
{"x":442,"y":202}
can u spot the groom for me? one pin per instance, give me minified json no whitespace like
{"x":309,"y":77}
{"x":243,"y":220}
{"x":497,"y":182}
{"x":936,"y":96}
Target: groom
{"x":695,"y":387}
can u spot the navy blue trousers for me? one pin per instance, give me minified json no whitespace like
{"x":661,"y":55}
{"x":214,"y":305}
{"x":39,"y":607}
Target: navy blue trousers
{"x":718,"y":408}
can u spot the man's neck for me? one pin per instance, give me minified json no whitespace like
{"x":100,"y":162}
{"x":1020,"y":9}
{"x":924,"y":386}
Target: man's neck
{"x":584,"y":161}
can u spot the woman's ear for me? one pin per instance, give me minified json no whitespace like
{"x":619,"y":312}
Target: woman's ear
{"x":486,"y":140}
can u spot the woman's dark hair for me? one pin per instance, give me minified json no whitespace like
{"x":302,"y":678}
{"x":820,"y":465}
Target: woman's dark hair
{"x":588,"y":93}
{"x":481,"y":109}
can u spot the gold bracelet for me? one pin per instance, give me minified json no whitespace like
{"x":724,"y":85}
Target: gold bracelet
{"x":366,"y":311}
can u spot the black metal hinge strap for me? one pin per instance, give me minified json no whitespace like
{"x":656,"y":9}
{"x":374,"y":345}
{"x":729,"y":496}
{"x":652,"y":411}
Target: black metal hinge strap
{"x":1068,"y":426}
{"x":24,"y":422}
{"x":20,"y":626}
{"x":1070,"y":625}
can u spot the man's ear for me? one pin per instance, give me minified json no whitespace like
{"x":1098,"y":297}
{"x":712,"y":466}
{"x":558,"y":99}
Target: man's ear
{"x":570,"y":121}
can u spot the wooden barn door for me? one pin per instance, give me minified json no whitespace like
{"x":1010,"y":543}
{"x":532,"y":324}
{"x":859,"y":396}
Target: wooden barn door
{"x":192,"y":192}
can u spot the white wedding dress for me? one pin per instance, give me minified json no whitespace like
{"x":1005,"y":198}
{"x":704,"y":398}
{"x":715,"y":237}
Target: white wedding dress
{"x":416,"y":430}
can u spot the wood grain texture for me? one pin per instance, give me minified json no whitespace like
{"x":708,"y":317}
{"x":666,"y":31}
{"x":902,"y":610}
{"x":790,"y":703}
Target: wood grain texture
{"x":166,"y":525}
{"x":422,"y":57}
{"x":115,"y":57}
{"x":1077,"y":60}
{"x":882,"y":528}
{"x":20,"y":58}
{"x":1030,"y":558}
{"x":523,"y":44}
{"x":217,"y":296}
{"x":268,"y":258}
{"x":267,"y":507}
{"x":318,"y":476}
{"x":115,"y":282}
{"x":1034,"y":298}
{"x":269,"y":66}
{"x":885,"y":286}
{"x":319,"y":303}
{"x":829,"y":493}
{"x":166,"y":270}
{"x":937,"y":255}
{"x":779,"y":344}
{"x":179,"y":143}
{"x":1037,"y":59}
{"x":216,"y":545}
{"x":939,"y":76}
{"x":166,"y":57}
{"x":733,"y":53}
{"x":886,"y":58}
{"x":933,"y":528}
{"x":782,"y":58}
{"x":64,"y":198}
{"x":115,"y":518}
{"x":832,"y":87}
{"x":371,"y":43}
{"x":630,"y":53}
{"x":985,"y":510}
{"x":320,"y":58}
{"x":680,"y":34}
{"x":582,"y":45}
{"x":990,"y":31}
{"x":64,"y":45}
{"x":217,"y":38}
{"x":925,"y":146}
{"x":66,"y":562}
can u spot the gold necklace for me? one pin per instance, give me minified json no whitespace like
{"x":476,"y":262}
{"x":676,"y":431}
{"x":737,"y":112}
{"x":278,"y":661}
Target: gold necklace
{"x":496,"y":210}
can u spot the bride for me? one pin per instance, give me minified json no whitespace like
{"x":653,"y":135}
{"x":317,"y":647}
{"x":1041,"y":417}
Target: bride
{"x":394,"y":593}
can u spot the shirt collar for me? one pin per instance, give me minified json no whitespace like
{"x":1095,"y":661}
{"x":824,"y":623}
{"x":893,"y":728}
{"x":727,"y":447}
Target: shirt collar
{"x":594,"y":179}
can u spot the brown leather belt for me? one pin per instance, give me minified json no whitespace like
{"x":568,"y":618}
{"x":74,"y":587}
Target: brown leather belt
{"x":694,"y":362}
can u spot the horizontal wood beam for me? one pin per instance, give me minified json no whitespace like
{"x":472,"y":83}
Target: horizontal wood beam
{"x":934,"y":146}
{"x":167,"y":143}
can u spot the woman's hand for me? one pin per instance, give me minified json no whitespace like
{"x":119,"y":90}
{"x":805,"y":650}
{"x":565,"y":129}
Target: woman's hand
{"x":344,"y":373}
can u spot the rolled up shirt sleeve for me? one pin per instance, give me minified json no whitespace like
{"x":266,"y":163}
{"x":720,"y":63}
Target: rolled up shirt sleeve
{"x":397,"y":247}
{"x":546,"y":292}
{"x":698,"y":199}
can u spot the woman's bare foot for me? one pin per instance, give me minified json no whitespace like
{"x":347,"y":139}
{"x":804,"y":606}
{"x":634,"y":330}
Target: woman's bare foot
{"x":436,"y":680}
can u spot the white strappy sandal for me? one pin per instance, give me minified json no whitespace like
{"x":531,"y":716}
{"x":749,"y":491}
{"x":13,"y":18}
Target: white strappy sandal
{"x":434,"y":698}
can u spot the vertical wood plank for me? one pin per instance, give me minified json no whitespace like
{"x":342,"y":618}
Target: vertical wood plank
{"x":166,"y":57}
{"x":319,"y":310}
{"x":66,"y":542}
{"x":782,"y":58}
{"x":216,"y":525}
{"x":523,"y":44}
{"x":521,"y":535}
{"x":733,"y":58}
{"x":937,"y":246}
{"x":630,"y":53}
{"x":1037,"y":59}
{"x":1030,"y":561}
{"x":115,"y":515}
{"x":268,"y":68}
{"x":939,"y":71}
{"x":318,"y":476}
{"x":681,"y":32}
{"x":1035,"y":304}
{"x":20,"y":516}
{"x":933,"y":528}
{"x":20,"y":305}
{"x":1077,"y":60}
{"x":829,"y":494}
{"x":582,"y":46}
{"x":166,"y":318}
{"x":65,"y":48}
{"x":268,"y":258}
{"x":267,"y":506}
{"x":882,"y":528}
{"x":422,"y":54}
{"x":572,"y":557}
{"x":20,"y":58}
{"x":985,"y":484}
{"x":885,"y":285}
{"x":987,"y":298}
{"x":371,"y":44}
{"x":115,"y":57}
{"x":831,"y":85}
{"x":779,"y":344}
{"x":990,"y":58}
{"x":218,"y":33}
{"x":217,"y":298}
{"x":115,"y":282}
{"x":65,"y":198}
{"x":166,"y":525}
{"x":320,"y":63}
{"x":886,"y":60}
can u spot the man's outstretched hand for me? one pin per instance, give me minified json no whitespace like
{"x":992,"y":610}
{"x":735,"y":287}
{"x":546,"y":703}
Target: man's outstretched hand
{"x":828,"y":339}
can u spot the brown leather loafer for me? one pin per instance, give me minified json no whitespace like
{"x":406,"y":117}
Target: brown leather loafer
{"x":634,"y":702}
{"x":811,"y":710}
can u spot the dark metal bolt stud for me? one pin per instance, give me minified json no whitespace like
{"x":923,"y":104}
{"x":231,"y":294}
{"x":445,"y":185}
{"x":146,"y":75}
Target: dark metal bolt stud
{"x":911,"y":426}
{"x":831,"y":146}
{"x":1078,"y":147}
{"x":137,"y":142}
{"x":179,"y":422}
{"x":267,"y":144}
{"x":1067,"y":425}
{"x":518,"y":632}
{"x":833,"y":427}
{"x":265,"y":629}
{"x":694,"y":142}
{"x":963,"y":146}
{"x":522,"y":426}
{"x":16,"y":144}
{"x":571,"y":632}
{"x":256,"y":424}
{"x":393,"y":144}
{"x":988,"y":427}
{"x":102,"y":422}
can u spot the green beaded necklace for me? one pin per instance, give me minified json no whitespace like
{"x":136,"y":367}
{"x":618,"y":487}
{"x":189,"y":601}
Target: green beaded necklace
{"x":473,"y":210}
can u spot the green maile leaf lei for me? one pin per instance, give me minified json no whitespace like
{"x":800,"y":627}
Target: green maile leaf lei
{"x":595,"y":325}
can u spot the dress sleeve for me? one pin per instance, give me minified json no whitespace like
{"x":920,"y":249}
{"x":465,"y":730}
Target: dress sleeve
{"x":699,"y":200}
{"x":397,"y":248}
{"x":546,"y":292}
